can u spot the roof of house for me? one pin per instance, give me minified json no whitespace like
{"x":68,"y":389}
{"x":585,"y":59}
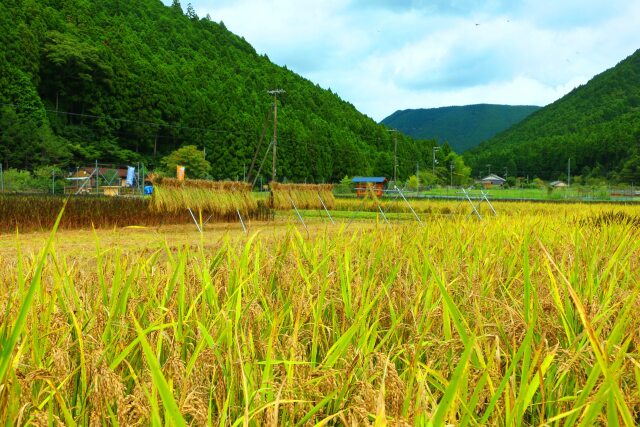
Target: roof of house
{"x":367,"y":179}
{"x":558,"y":184}
{"x":121,"y":171}
{"x":493,"y":177}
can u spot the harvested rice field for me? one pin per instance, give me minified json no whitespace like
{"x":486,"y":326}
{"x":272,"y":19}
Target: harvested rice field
{"x":527,"y":318}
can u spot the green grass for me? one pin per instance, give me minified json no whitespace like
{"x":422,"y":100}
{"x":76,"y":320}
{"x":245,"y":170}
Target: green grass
{"x":580,"y":193}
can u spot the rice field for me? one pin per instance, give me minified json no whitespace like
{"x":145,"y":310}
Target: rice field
{"x":37,"y":213}
{"x":528,"y":318}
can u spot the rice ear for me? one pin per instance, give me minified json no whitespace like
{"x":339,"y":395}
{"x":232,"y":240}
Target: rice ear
{"x":305,"y":196}
{"x":213,"y":197}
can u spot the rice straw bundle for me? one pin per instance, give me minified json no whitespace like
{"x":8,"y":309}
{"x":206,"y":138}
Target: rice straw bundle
{"x":305,"y":196}
{"x":215,"y":197}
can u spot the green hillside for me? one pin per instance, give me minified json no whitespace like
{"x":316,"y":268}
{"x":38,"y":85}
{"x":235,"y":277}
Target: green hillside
{"x":124,"y":81}
{"x":462,"y":127}
{"x":596,"y":125}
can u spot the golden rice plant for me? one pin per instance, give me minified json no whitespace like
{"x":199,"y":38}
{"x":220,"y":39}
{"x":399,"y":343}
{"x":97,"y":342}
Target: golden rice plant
{"x":392,"y":204}
{"x":38,"y":212}
{"x":305,"y":196}
{"x":214,"y":197}
{"x":526,"y":320}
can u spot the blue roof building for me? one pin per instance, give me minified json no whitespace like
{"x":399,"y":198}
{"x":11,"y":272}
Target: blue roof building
{"x":369,"y":179}
{"x":365,"y":184}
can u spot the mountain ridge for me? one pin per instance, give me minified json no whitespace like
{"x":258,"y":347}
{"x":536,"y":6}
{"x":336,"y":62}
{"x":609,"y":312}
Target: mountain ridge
{"x":463,"y":127}
{"x":121,"y":82}
{"x":596,"y":125}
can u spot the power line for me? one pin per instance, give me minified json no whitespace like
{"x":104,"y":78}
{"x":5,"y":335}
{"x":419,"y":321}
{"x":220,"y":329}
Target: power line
{"x":155,"y":124}
{"x":365,"y":151}
{"x":91,"y":116}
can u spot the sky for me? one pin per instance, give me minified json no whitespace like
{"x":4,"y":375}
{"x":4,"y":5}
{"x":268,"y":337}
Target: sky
{"x":388,"y":55}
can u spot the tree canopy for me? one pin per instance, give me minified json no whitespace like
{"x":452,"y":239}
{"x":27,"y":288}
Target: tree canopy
{"x":125,"y":81}
{"x":596,"y":126}
{"x":196,"y":166}
{"x":462,"y":127}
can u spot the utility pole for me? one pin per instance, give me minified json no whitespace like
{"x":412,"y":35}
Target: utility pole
{"x":506,"y":173}
{"x":53,"y":182}
{"x":395,"y":158}
{"x":489,"y":168}
{"x":97,"y":179}
{"x":569,"y":172}
{"x":395,"y":154}
{"x":451,"y":173}
{"x":436,"y":148}
{"x":155,"y":147}
{"x":275,"y":93}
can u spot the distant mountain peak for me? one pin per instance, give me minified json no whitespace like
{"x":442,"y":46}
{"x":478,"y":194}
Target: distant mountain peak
{"x":463,"y":127}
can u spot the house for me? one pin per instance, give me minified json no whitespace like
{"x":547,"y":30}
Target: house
{"x":558,"y":184}
{"x":363,"y":183}
{"x":492,"y":180}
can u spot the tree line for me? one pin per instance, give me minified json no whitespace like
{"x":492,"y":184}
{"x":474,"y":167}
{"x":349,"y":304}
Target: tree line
{"x":594,"y":132}
{"x":123,"y":82}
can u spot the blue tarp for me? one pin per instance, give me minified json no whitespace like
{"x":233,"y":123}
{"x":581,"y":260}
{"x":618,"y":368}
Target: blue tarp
{"x":131,"y":174}
{"x":373,"y":179}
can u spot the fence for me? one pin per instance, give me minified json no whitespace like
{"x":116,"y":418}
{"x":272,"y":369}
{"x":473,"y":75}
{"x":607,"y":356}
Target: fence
{"x":110,"y":180}
{"x":573,"y":193}
{"x":97,"y":179}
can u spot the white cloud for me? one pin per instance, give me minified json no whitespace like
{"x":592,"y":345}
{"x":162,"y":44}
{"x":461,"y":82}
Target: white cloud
{"x":388,"y":55}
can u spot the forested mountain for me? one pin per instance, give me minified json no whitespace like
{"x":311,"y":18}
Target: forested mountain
{"x":463,"y":127}
{"x":597,"y":125}
{"x":123,"y":81}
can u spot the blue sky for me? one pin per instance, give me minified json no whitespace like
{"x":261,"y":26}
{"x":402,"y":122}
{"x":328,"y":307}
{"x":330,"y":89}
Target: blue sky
{"x":388,"y":55}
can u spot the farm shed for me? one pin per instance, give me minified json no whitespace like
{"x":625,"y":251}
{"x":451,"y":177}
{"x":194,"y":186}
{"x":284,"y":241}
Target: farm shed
{"x":364,"y":182}
{"x":116,"y":176}
{"x":492,"y":180}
